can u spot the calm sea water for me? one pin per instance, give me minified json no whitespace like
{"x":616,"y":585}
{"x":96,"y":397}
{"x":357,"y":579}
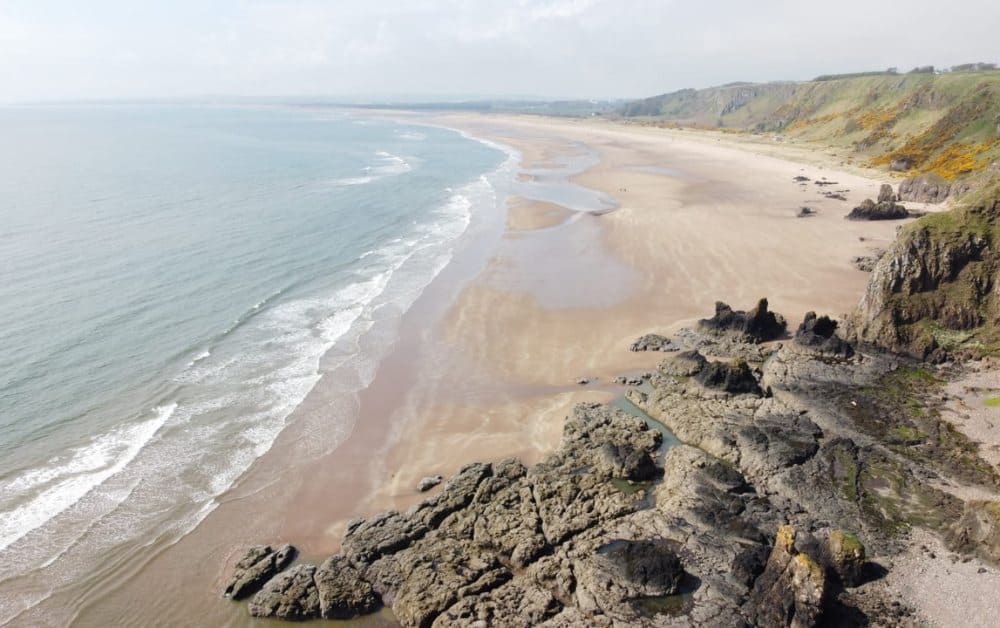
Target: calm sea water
{"x":170,"y":278}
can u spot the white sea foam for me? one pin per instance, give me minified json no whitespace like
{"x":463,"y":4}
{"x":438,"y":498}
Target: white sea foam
{"x":37,"y":495}
{"x":386,"y":165}
{"x":237,"y":399}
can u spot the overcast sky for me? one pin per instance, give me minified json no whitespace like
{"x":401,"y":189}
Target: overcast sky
{"x":68,"y":49}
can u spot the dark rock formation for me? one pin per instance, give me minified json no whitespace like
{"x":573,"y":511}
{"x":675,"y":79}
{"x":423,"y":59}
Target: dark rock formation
{"x":819,"y":333}
{"x":684,"y":364}
{"x":800,"y":178}
{"x":846,"y":556}
{"x":289,"y":595}
{"x":342,"y":592}
{"x":731,"y":377}
{"x":937,"y":280}
{"x":600,"y":534}
{"x":805,"y":212}
{"x":885,"y":208}
{"x":260,"y":564}
{"x":757,"y":325}
{"x":791,"y":589}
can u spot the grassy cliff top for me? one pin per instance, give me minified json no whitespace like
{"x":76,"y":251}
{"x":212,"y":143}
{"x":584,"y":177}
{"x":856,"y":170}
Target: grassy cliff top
{"x":947,"y":124}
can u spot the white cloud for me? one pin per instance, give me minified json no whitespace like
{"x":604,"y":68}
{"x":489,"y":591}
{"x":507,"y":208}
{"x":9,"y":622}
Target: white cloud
{"x":111,"y":48}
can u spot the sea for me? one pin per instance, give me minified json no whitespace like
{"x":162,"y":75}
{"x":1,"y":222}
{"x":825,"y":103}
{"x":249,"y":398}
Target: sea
{"x":174,"y":280}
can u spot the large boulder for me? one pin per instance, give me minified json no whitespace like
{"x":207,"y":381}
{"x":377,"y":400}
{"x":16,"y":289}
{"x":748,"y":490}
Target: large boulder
{"x":846,"y":556}
{"x":290,"y":595}
{"x":342,"y":592}
{"x":258,"y":565}
{"x":732,"y":377}
{"x":882,"y":210}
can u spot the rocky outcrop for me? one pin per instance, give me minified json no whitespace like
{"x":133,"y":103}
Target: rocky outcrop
{"x":819,"y":333}
{"x":757,"y":325}
{"x":791,"y":589}
{"x":846,"y":556}
{"x":931,"y":188}
{"x":936,"y":281}
{"x":290,"y":595}
{"x":731,"y":377}
{"x":721,"y":530}
{"x":653,"y":342}
{"x":260,"y":564}
{"x":886,"y":208}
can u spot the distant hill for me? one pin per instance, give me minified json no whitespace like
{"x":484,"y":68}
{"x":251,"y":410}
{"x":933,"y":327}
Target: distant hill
{"x":920,"y":122}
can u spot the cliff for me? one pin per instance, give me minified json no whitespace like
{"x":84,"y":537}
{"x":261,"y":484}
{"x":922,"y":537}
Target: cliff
{"x":935,"y":293}
{"x":946,"y":124}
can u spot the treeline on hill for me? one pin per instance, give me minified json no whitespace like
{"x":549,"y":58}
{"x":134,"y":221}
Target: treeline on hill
{"x":923,"y":121}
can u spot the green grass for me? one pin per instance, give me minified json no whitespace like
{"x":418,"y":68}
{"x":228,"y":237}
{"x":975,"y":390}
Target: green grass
{"x":992,"y":402}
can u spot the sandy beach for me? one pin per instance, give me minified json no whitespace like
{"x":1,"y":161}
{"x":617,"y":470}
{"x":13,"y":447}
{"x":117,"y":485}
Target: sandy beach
{"x":489,"y":360}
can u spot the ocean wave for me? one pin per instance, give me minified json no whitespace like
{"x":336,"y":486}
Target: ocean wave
{"x":34,"y":497}
{"x":386,"y":165}
{"x":413,"y":136}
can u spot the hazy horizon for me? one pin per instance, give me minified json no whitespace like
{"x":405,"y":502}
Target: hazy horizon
{"x":554,"y":49}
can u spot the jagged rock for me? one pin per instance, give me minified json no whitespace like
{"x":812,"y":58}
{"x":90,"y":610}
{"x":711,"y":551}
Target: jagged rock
{"x":259,"y":565}
{"x":457,"y":493}
{"x":847,"y":557}
{"x":883,"y":210}
{"x":429,"y":482}
{"x":425,"y":580}
{"x":937,"y":274}
{"x":289,"y":595}
{"x":684,"y":364}
{"x":653,"y":342}
{"x":931,"y":188}
{"x":790,"y":591}
{"x":342,"y":593}
{"x":885,"y":194}
{"x":735,"y":377}
{"x":819,"y":333}
{"x":757,"y":325}
{"x":368,"y":540}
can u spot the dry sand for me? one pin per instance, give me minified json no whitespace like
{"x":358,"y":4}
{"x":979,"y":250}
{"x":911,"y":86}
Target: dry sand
{"x":487,"y":361}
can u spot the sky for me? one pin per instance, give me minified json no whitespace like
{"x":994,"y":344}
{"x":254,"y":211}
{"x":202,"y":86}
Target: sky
{"x":443,"y":49}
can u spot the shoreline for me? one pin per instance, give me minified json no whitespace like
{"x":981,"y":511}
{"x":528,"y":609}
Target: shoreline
{"x":440,"y":426}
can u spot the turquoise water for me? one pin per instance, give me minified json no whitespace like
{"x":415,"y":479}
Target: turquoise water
{"x":170,"y":279}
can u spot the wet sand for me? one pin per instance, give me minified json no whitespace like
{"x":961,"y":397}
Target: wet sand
{"x":487,"y":361}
